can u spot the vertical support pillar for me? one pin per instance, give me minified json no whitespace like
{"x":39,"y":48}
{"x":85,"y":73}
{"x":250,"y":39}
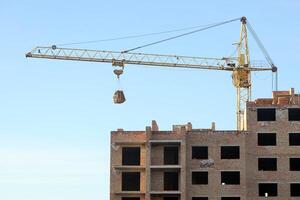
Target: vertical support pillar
{"x":183,"y":169}
{"x":148,"y":163}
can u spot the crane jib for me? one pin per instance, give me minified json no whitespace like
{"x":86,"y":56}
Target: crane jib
{"x":138,"y":59}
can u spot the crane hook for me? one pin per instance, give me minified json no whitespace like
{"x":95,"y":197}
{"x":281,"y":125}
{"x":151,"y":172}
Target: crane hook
{"x":118,"y":72}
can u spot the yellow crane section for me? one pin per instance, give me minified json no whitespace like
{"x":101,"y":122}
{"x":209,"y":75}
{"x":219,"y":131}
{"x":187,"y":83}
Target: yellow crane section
{"x":239,"y":66}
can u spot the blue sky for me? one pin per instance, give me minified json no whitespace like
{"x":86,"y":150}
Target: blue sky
{"x":56,"y":116}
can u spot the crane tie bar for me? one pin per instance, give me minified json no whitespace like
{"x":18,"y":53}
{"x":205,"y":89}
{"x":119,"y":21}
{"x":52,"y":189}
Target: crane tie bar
{"x":181,"y":35}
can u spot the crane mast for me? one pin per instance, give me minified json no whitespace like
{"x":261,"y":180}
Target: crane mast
{"x":239,"y":66}
{"x":242,"y":77}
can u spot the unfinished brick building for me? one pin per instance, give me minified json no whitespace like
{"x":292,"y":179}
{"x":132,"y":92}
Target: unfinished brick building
{"x":200,"y":164}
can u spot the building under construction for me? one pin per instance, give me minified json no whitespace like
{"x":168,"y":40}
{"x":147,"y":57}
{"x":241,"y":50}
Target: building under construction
{"x":262,"y":161}
{"x":259,"y":159}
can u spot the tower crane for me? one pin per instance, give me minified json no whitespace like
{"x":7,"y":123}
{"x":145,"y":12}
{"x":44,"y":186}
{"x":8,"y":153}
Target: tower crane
{"x":239,"y":66}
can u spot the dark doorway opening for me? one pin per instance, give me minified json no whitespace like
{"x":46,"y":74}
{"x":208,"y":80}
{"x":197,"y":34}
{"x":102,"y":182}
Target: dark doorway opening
{"x":295,"y":189}
{"x":130,"y":181}
{"x":171,"y":155}
{"x":131,"y":155}
{"x":171,"y":181}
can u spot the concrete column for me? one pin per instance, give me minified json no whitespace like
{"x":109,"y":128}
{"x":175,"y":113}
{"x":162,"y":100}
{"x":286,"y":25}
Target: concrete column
{"x":183,"y":164}
{"x":148,"y":163}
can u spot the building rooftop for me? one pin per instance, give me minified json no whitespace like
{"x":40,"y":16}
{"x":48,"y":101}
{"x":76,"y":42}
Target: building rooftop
{"x":279,"y":98}
{"x":175,"y":129}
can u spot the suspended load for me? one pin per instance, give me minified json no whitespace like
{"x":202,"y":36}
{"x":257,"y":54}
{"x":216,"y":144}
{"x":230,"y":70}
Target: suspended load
{"x":119,"y":97}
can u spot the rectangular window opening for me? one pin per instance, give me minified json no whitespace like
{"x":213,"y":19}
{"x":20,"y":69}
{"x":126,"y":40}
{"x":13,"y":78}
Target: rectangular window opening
{"x":199,"y":198}
{"x":294,"y":164}
{"x":266,"y":114}
{"x":171,"y":181}
{"x":171,"y":155}
{"x":295,"y":189}
{"x":230,"y":152}
{"x":131,"y":155}
{"x":267,"y":164}
{"x":294,"y":114}
{"x":294,"y":139}
{"x":130,"y":181}
{"x":230,"y":198}
{"x":266,"y":139}
{"x":200,"y":152}
{"x":267,"y":189}
{"x":230,"y":178}
{"x":171,"y":198}
{"x":199,"y":178}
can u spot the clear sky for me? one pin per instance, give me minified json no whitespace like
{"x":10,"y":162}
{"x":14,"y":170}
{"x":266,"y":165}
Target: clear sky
{"x":56,"y":116}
